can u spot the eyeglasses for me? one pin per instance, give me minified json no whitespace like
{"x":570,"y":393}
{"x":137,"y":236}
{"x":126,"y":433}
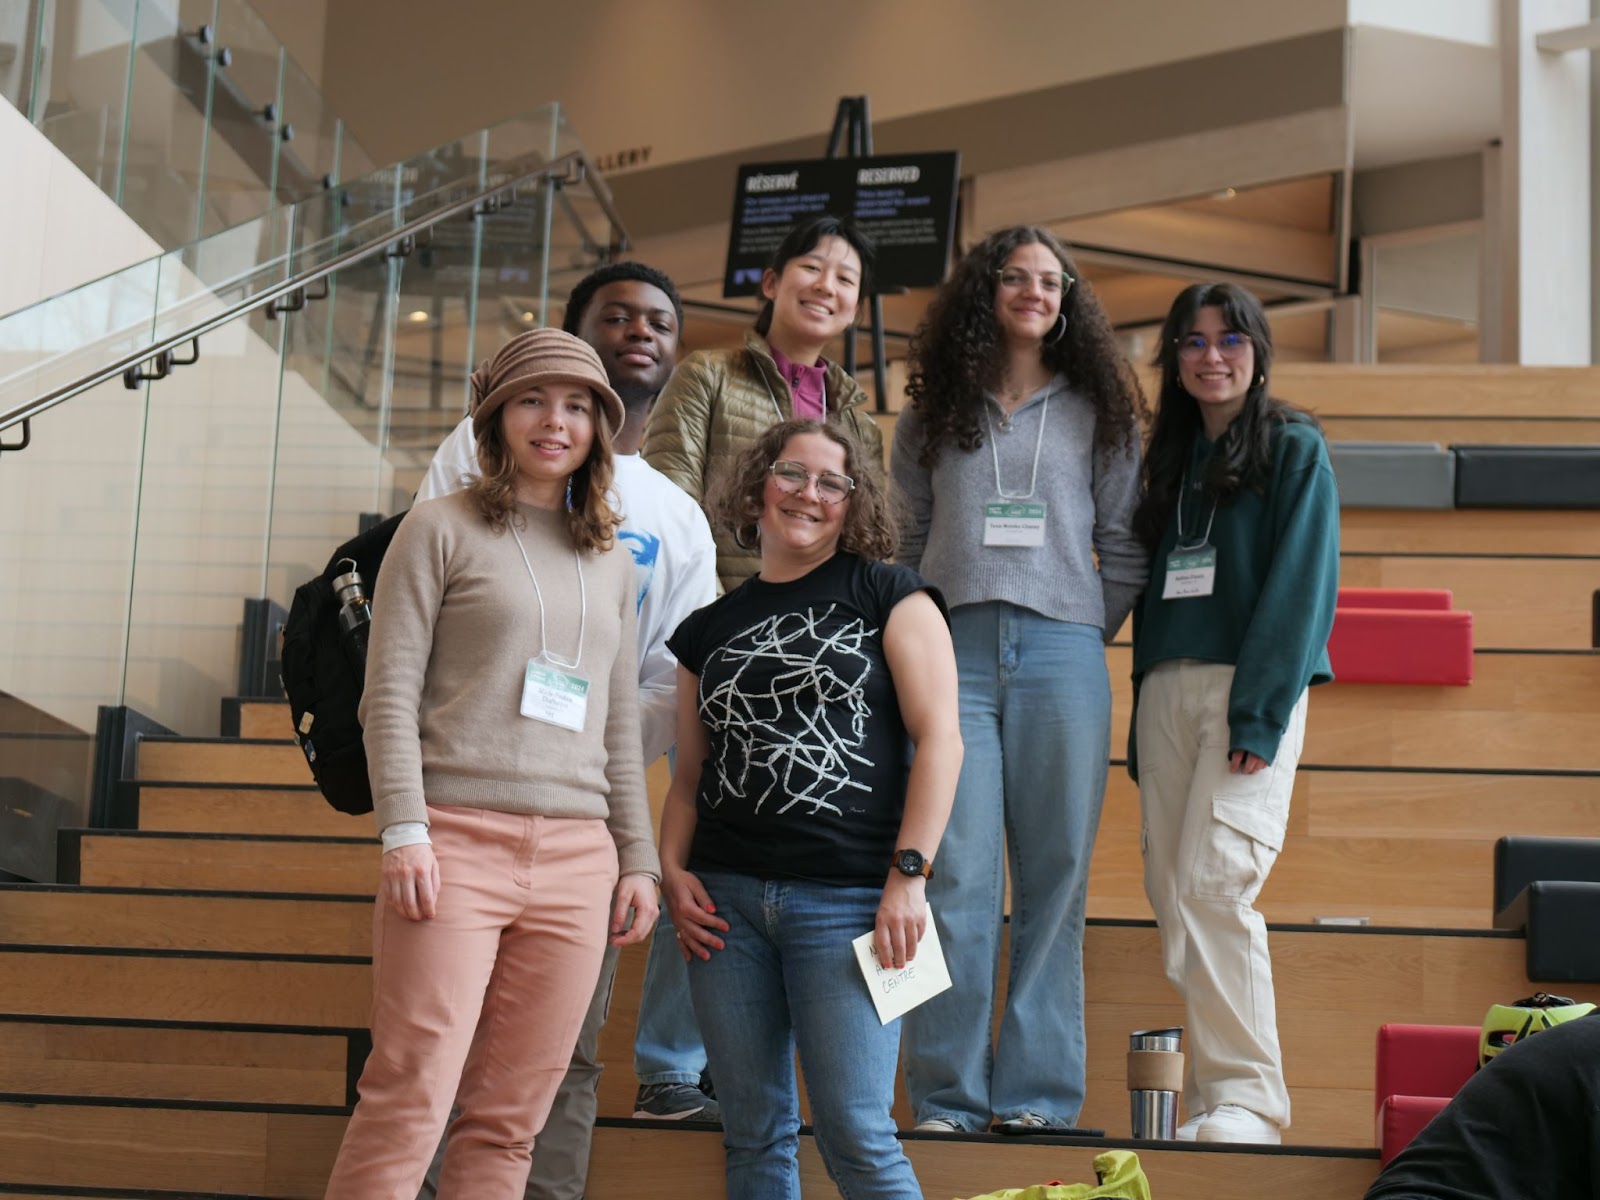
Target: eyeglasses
{"x":1229,"y":345}
{"x":792,"y":477}
{"x":1052,"y":283}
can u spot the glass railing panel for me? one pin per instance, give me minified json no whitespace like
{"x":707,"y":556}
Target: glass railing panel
{"x":58,"y":341}
{"x":244,"y":142}
{"x":319,"y":150}
{"x":204,"y":498}
{"x":164,"y":156}
{"x":334,"y":407}
{"x":67,"y":520}
{"x":83,"y":56}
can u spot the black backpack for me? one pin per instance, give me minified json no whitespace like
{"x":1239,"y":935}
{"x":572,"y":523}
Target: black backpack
{"x":323,"y":678}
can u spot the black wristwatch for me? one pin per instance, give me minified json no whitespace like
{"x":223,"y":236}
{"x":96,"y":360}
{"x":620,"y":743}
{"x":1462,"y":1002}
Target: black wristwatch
{"x":911,"y":862}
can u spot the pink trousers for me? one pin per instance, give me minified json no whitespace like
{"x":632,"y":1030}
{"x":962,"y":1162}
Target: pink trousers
{"x":482,"y":1004}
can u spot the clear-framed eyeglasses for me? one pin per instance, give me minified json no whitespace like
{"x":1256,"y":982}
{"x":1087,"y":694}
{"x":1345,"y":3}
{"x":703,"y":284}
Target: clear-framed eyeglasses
{"x":1229,"y":345}
{"x":792,"y":477}
{"x":1052,"y":283}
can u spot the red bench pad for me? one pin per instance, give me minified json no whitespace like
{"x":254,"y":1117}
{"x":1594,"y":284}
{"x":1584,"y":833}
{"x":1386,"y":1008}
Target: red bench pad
{"x":1420,"y":1067}
{"x":1393,"y":645}
{"x":1432,"y":599}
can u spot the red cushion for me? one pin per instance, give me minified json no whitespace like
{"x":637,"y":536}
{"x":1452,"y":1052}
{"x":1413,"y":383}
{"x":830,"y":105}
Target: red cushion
{"x":1425,"y":1060}
{"x":1388,"y":645}
{"x":1419,"y":1068}
{"x":1401,"y":1118}
{"x":1432,"y":599}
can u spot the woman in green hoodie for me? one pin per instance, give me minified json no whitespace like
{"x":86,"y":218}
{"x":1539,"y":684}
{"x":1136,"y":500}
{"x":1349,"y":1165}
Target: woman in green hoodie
{"x":1242,"y":518}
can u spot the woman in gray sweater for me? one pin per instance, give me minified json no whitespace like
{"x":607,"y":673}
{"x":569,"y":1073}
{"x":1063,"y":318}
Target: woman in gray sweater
{"x":1018,"y":458}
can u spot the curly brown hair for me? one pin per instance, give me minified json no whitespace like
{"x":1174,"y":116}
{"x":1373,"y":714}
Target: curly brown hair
{"x":738,"y":500}
{"x":591,"y":521}
{"x":958,"y":352}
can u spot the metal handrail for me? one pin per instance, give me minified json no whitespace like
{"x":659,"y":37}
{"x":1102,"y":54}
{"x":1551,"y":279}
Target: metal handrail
{"x":572,"y":168}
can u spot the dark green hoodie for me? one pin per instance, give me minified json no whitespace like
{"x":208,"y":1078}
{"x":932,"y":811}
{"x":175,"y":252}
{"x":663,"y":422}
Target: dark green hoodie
{"x":1271,"y":609}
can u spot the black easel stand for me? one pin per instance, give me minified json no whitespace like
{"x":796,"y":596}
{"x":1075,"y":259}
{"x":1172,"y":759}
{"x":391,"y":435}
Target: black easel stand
{"x":852,"y":138}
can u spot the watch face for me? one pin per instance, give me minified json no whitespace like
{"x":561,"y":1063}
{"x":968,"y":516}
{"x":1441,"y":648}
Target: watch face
{"x":909,"y":862}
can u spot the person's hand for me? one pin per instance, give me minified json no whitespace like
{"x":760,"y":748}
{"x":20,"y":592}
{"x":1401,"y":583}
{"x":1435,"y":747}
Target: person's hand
{"x":411,"y":880}
{"x":636,"y":892}
{"x":902,"y":920}
{"x":694,"y":916}
{"x":1242,"y":762}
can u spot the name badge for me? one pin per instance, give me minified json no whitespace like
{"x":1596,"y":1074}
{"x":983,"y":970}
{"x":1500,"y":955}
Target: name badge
{"x":555,"y":697}
{"x":1013,"y":524}
{"x":1190,"y":572}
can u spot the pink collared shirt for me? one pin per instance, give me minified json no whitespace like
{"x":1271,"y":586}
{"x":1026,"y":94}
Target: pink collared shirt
{"x":806,"y":388}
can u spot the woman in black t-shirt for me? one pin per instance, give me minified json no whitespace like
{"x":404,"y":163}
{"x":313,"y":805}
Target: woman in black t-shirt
{"x":818,"y":748}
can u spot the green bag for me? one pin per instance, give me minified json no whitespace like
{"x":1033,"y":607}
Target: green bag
{"x":1121,"y":1178}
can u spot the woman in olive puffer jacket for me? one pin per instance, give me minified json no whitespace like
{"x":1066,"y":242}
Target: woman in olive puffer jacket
{"x":720,"y":401}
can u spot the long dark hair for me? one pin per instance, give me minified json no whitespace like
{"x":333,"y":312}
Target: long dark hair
{"x":1243,"y":455}
{"x":803,"y":239}
{"x":958,"y":352}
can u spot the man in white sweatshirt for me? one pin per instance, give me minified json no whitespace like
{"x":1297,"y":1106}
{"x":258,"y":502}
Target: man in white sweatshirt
{"x":631,"y":314}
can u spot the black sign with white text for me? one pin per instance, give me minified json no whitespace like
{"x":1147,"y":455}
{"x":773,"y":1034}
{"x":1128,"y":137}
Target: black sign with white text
{"x":905,"y":203}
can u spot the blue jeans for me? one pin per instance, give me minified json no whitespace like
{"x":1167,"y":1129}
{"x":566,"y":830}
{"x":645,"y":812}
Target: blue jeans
{"x":666,"y":1041}
{"x":1036,"y":722}
{"x":788,"y":979}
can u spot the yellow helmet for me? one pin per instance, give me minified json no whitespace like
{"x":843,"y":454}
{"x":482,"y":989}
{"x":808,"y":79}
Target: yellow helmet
{"x":1504,"y":1024}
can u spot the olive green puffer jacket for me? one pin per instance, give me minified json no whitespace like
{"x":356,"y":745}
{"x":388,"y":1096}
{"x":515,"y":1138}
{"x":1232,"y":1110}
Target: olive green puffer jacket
{"x":716,"y":404}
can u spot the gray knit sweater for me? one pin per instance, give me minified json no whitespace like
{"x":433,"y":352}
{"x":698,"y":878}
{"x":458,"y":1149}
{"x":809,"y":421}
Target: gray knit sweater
{"x":1089,"y":497}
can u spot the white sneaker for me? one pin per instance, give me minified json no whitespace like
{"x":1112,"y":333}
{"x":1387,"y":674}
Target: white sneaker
{"x":1191,"y":1127}
{"x":1231,"y":1123}
{"x":939,"y":1125}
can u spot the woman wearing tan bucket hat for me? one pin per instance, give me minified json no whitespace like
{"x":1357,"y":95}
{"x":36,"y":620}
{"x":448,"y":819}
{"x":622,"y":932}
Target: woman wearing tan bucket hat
{"x":501,"y":721}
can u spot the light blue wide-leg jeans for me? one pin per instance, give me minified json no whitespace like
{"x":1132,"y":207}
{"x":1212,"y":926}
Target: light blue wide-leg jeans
{"x":1036,"y":723}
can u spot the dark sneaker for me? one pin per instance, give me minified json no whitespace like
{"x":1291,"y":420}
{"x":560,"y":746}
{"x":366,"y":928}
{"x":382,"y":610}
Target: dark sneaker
{"x":675,"y":1102}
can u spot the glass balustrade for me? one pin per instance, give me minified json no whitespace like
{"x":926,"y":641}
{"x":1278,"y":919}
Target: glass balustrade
{"x":139,"y":519}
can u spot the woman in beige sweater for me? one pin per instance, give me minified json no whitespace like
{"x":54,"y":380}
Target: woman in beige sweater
{"x":501,"y":722}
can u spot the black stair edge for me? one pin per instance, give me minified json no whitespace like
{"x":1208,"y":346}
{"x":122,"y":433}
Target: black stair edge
{"x":80,"y":950}
{"x":1051,"y":1139}
{"x":1306,"y":927}
{"x":179,"y":739}
{"x":167,"y":1104}
{"x":96,"y":889}
{"x":202,"y":836}
{"x":118,"y":731}
{"x":58,"y":1189}
{"x":197,"y":1026}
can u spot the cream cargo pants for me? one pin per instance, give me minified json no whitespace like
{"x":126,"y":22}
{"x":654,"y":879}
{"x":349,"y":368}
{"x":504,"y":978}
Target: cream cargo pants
{"x":1209,"y":838}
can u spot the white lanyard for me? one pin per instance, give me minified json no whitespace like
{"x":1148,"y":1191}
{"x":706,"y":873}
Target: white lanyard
{"x":583,"y":609}
{"x":1205,"y":538}
{"x":1033,"y":479}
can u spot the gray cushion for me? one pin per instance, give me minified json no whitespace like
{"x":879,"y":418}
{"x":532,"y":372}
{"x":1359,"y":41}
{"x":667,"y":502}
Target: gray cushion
{"x":1394,"y":474}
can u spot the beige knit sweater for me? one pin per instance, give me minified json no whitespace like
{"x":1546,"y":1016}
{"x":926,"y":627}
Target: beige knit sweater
{"x":454,"y":624}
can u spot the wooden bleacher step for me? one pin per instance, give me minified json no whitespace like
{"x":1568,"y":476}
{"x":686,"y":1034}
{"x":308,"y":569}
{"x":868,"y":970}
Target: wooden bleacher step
{"x":1523,"y":708}
{"x":140,"y":918}
{"x":147,"y":1061}
{"x":222,"y":760}
{"x":221,"y":862}
{"x":205,"y":1149}
{"x":208,"y":807}
{"x":638,"y":1158}
{"x":1469,"y":531}
{"x":189,"y":987}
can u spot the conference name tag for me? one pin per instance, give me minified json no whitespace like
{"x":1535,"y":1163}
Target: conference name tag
{"x":1190,"y":573}
{"x":555,"y":697}
{"x":1013,"y":524}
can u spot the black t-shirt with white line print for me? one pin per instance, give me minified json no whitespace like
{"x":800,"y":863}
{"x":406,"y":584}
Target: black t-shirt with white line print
{"x":806,"y":774}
